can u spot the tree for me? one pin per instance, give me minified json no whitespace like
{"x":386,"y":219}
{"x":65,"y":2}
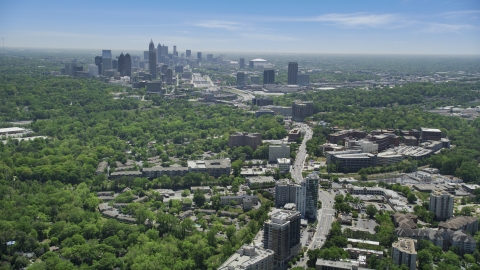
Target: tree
{"x":424,"y":258}
{"x":185,"y":193}
{"x":199,"y":198}
{"x":371,"y":210}
{"x":411,"y":197}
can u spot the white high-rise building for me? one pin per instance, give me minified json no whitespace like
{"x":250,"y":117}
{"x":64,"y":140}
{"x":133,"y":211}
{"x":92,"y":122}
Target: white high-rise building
{"x":441,"y":204}
{"x":92,"y":70}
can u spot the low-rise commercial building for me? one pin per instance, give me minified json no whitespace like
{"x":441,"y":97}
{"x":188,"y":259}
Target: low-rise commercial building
{"x":260,"y":182}
{"x":250,"y":258}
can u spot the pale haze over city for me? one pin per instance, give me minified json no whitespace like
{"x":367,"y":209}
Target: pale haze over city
{"x":384,"y":27}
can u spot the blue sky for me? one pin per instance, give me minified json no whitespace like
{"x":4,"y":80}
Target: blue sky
{"x":384,"y":27}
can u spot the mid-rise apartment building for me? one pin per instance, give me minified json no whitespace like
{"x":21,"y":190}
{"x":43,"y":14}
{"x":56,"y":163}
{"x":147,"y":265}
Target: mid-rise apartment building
{"x":404,"y":252}
{"x":441,"y":204}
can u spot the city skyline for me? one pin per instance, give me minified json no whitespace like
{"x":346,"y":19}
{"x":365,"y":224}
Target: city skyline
{"x":366,"y":27}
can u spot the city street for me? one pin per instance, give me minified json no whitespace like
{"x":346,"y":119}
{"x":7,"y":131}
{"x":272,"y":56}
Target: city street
{"x":297,"y":168}
{"x":326,"y":216}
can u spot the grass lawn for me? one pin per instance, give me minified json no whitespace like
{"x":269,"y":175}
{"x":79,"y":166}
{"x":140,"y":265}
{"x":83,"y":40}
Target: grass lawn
{"x":422,"y":195}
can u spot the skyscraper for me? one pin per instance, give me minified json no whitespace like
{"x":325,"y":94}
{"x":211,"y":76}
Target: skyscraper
{"x":98,"y":63}
{"x":199,"y":56}
{"x":151,"y":46}
{"x":241,"y":78}
{"x":169,"y":76}
{"x":188,"y":53}
{"x":292,"y":73}
{"x":159,"y":52}
{"x":242,"y":62}
{"x":175,"y":50}
{"x":128,"y":65}
{"x":152,"y":60}
{"x":268,"y":76}
{"x":282,"y":235}
{"x":106,"y":60}
{"x":311,"y":198}
{"x":165,"y":50}
{"x":209,"y":57}
{"x":121,"y":64}
{"x":441,"y":204}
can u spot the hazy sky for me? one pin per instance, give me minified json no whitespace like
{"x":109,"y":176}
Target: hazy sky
{"x":416,"y":26}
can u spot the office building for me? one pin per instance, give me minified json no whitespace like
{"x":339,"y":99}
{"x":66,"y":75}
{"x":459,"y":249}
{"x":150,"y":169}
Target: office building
{"x":441,"y":204}
{"x":269,"y":76}
{"x":281,"y":234}
{"x":121,"y":64}
{"x":155,"y":87}
{"x":404,"y":252}
{"x":241,"y":78}
{"x":262,"y":101}
{"x":169,"y":76}
{"x":430,"y":134}
{"x":209,"y":57}
{"x":159,"y":53}
{"x":199,"y":56}
{"x":106,"y":60}
{"x":311,"y":198}
{"x":292,"y":73}
{"x":98,"y":63}
{"x":303,"y":79}
{"x":301,"y":110}
{"x":127,"y":70}
{"x":284,"y":165}
{"x":245,"y":139}
{"x":145,"y":56}
{"x":255,"y":80}
{"x":92,"y":70}
{"x":175,"y":53}
{"x":214,"y":167}
{"x":152,"y":60}
{"x":165,"y":51}
{"x":249,"y":258}
{"x":188,"y":53}
{"x":251,"y":64}
{"x":278,"y":151}
{"x":114,"y":64}
{"x":242,"y":63}
{"x":179,"y":69}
